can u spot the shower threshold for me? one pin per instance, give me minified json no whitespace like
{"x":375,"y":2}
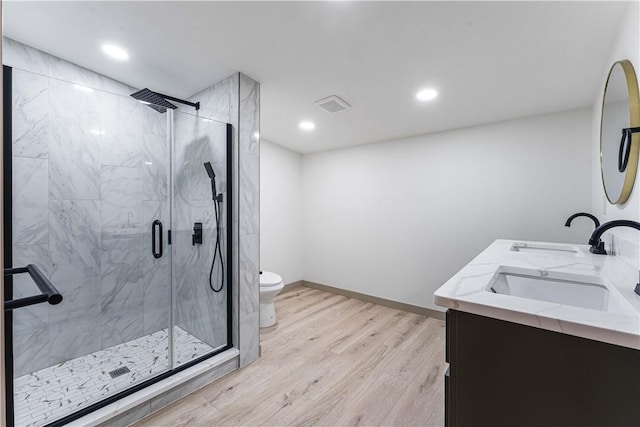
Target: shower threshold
{"x":51,"y":393}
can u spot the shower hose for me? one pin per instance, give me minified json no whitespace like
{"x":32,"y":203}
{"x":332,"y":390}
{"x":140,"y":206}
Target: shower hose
{"x":217,"y":251}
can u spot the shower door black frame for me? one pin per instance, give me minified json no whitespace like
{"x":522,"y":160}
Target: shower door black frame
{"x":7,"y":101}
{"x":7,"y":170}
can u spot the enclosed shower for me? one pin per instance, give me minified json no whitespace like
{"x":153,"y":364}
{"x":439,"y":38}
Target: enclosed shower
{"x":125,"y":211}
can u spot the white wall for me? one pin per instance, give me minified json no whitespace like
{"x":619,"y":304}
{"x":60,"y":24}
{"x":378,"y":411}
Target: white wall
{"x":626,"y":241}
{"x":397,"y":219}
{"x":280,"y":211}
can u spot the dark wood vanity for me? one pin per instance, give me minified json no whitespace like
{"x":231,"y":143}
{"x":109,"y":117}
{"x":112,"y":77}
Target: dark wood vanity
{"x":506,"y":374}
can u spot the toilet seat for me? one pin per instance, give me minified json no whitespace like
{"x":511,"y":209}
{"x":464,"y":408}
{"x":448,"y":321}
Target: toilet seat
{"x":269,"y":279}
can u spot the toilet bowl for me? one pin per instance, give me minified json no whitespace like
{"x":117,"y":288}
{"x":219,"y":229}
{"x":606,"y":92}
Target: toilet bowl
{"x":270,"y":286}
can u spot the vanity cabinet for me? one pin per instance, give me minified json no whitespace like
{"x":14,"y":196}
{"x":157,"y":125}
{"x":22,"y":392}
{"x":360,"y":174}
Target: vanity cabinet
{"x":506,"y":374}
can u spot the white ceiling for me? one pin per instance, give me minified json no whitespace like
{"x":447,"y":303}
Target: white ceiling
{"x":490,"y":61}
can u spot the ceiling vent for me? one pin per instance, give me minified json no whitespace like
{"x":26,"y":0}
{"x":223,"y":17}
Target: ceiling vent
{"x":332,"y":104}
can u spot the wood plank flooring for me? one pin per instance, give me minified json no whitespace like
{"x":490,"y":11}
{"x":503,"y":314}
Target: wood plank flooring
{"x":329,"y":361}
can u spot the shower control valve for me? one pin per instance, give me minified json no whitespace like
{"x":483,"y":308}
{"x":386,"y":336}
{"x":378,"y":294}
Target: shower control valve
{"x":196,"y":237}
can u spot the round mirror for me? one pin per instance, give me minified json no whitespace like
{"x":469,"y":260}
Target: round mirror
{"x":620,"y":132}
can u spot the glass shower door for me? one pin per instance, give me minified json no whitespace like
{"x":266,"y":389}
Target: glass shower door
{"x":201,"y":207}
{"x":90,"y":208}
{"x":125,"y":208}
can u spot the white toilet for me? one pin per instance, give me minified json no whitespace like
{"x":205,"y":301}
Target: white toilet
{"x":270,"y":286}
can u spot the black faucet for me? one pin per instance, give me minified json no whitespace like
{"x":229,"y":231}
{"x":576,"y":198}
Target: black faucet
{"x":576,"y":215}
{"x":597,"y":246}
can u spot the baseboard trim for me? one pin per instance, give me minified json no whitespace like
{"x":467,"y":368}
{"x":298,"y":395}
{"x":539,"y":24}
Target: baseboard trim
{"x":423,"y":311}
{"x":293,"y":286}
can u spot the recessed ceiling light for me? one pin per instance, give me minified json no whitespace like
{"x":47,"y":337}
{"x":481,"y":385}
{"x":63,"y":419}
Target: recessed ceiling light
{"x":426,"y":94}
{"x":115,"y":52}
{"x":97,"y":132}
{"x":256,"y":135}
{"x":307,"y":125}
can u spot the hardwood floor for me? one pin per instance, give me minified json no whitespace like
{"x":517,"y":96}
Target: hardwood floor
{"x":330,"y":361}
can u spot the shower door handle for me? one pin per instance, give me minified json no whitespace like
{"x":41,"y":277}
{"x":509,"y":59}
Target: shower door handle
{"x":156,"y":238}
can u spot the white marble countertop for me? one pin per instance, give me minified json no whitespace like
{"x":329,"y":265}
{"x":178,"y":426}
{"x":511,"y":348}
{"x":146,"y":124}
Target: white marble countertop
{"x":468,"y":291}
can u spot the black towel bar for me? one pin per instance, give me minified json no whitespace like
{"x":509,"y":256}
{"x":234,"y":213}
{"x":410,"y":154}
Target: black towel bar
{"x":49,"y":292}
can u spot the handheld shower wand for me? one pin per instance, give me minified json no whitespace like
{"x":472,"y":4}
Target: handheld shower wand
{"x":217,"y":251}
{"x":212,"y":177}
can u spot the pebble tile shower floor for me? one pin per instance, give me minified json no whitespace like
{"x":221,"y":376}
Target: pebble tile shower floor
{"x":54,"y":392}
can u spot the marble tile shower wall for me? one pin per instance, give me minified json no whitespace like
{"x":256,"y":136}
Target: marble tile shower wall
{"x":236,"y":100}
{"x":90,"y":175}
{"x":249,"y":218}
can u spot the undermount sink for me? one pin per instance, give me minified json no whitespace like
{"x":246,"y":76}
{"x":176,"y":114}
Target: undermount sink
{"x":546,"y":249}
{"x":560,"y":288}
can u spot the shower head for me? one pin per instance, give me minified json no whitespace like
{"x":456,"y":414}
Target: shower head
{"x":209,"y":169}
{"x":159,"y":102}
{"x":212,"y":177}
{"x":153,"y":100}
